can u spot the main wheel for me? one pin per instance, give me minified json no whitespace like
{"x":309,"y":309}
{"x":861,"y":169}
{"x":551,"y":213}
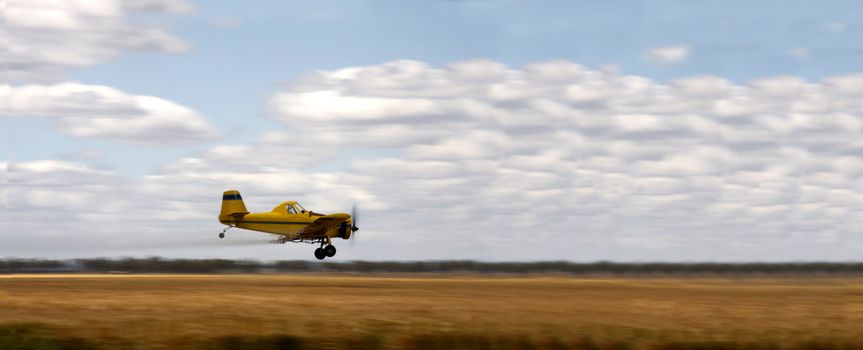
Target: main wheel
{"x":221,"y":235}
{"x":330,"y":250}
{"x":319,"y":253}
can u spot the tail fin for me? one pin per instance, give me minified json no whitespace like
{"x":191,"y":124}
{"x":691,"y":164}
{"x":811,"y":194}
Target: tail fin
{"x":233,"y":207}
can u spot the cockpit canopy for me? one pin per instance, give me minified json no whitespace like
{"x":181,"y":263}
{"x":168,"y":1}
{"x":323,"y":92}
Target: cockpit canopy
{"x":289,"y":207}
{"x":294,"y":208}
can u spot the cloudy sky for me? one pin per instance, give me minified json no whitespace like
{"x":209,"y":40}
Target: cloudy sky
{"x":490,"y":130}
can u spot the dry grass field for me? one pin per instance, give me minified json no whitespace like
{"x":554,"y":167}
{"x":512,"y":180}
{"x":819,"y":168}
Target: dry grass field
{"x":428,"y":312}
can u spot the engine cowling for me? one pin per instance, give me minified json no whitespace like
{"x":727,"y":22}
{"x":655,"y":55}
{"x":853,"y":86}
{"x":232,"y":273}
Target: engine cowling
{"x":344,"y":232}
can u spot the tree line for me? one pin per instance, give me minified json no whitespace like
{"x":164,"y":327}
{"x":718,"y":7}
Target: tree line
{"x":162,"y":265}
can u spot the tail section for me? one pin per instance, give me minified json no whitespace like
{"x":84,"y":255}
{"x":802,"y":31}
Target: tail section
{"x":233,"y":207}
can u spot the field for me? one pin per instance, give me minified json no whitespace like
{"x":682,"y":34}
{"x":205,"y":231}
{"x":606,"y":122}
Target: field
{"x":305,"y":311}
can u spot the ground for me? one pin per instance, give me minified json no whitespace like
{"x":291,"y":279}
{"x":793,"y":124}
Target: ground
{"x":429,"y":311}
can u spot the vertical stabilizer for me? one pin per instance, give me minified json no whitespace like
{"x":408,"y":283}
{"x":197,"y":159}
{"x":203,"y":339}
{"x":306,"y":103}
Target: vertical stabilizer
{"x":233,"y":207}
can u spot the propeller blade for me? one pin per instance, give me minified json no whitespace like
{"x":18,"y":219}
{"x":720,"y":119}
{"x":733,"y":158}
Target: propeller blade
{"x":354,"y":218}
{"x":354,"y":221}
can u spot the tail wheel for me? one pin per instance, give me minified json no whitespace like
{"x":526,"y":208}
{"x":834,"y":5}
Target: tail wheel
{"x":320,"y":254}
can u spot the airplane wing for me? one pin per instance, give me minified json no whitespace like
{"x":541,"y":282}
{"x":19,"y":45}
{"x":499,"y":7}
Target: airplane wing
{"x":320,"y":226}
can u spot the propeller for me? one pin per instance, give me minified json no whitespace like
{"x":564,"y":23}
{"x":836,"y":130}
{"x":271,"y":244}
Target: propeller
{"x":354,"y":221}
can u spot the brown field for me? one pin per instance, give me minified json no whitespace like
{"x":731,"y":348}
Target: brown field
{"x":428,"y":312}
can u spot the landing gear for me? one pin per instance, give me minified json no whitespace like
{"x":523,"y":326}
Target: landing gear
{"x":222,"y":234}
{"x":319,"y":253}
{"x":330,"y":250}
{"x":325,"y":251}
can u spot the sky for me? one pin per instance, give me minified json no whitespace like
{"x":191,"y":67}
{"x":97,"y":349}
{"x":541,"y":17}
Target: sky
{"x":485,"y":130}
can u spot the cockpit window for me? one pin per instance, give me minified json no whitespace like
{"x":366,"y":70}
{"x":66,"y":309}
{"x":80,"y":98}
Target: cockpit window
{"x":299,"y":208}
{"x":291,"y":209}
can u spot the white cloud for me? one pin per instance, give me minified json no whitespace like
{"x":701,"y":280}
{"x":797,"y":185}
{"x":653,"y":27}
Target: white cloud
{"x":104,"y":112}
{"x":329,"y":105}
{"x":668,"y":54}
{"x":166,"y":6}
{"x":584,"y":147}
{"x":46,"y":36}
{"x":549,"y":161}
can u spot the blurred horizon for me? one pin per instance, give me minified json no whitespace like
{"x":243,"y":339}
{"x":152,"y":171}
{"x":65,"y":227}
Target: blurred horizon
{"x":598,"y":268}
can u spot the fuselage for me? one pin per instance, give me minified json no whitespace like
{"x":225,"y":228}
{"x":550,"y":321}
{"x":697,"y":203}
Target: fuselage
{"x":287,"y":219}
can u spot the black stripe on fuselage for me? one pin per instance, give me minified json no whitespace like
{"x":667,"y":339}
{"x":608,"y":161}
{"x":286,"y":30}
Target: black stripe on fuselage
{"x":231,"y":197}
{"x":274,"y":222}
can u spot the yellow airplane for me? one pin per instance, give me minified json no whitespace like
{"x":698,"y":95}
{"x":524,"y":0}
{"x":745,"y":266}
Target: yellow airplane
{"x":290,"y":221}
